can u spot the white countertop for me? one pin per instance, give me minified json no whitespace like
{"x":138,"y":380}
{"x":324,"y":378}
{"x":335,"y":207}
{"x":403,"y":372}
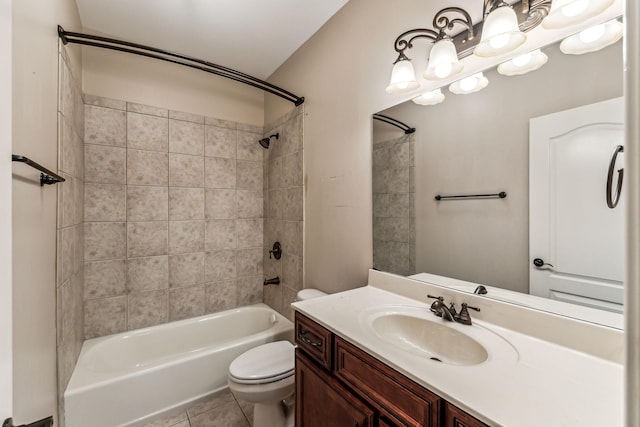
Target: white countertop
{"x":547,"y":386}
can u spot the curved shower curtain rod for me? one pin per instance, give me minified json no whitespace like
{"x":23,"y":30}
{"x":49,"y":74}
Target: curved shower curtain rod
{"x":176,"y":58}
{"x":393,"y":122}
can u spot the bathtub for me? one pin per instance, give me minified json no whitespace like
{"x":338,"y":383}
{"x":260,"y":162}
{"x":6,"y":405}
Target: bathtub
{"x":132,"y":378}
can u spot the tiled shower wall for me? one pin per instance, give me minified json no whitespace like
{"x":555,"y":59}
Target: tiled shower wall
{"x":173,"y":215}
{"x":70,"y":276}
{"x":283,"y":187}
{"x":394,"y":206}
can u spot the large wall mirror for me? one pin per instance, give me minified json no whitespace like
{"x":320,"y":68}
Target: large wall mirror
{"x":480,"y":144}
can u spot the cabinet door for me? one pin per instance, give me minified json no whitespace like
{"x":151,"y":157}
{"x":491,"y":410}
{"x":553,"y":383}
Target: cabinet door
{"x":322,"y":402}
{"x":454,"y":417}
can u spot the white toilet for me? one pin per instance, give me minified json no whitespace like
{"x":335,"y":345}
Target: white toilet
{"x":264,"y":376}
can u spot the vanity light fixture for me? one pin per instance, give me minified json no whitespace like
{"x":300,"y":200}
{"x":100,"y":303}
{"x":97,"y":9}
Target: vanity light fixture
{"x":593,"y":38}
{"x":502,"y":31}
{"x":430,"y":98}
{"x":471,"y":84}
{"x":565,"y":13}
{"x":523,"y":64}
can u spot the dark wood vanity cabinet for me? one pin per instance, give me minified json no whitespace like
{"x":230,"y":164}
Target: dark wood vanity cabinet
{"x":337,"y":384}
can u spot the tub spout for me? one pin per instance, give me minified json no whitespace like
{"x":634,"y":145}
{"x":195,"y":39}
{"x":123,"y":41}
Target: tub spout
{"x":273,"y":281}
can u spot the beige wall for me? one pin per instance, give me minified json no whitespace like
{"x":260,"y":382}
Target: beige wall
{"x":6,"y":381}
{"x":342,"y":72}
{"x":35,"y":84}
{"x":152,"y":82}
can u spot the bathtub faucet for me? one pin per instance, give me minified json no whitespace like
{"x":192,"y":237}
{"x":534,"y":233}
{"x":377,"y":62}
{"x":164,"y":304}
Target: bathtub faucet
{"x":274,"y":281}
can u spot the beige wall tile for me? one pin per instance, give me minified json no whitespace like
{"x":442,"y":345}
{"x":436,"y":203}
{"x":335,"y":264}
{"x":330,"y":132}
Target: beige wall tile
{"x":276,"y":179}
{"x":186,"y":302}
{"x":186,"y":203}
{"x":147,"y":238}
{"x":104,"y":240}
{"x":186,"y":137}
{"x":105,"y":278}
{"x":249,"y":290}
{"x":245,"y":127}
{"x":291,"y":237}
{"x":250,"y":233}
{"x":248,"y":147}
{"x":292,"y":207}
{"x":147,"y":309}
{"x":292,"y":170}
{"x":249,"y":262}
{"x":100,"y":101}
{"x":186,"y":236}
{"x":71,"y":148}
{"x":186,"y":170}
{"x":147,"y":274}
{"x":220,"y":234}
{"x":221,"y":204}
{"x":291,"y":271}
{"x":66,"y":252}
{"x":146,"y":203}
{"x":104,"y":165}
{"x":187,"y":117}
{"x":212,"y":121}
{"x":220,"y":296}
{"x":146,"y":132}
{"x":147,"y":109}
{"x":220,"y":266}
{"x":105,"y":316}
{"x":147,"y":168}
{"x":220,"y":142}
{"x":104,"y":202}
{"x":249,"y":175}
{"x":186,"y":269}
{"x":219,"y":173}
{"x":250,"y":203}
{"x":104,"y":126}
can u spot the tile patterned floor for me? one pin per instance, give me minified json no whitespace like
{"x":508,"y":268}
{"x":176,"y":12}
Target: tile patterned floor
{"x":224,"y":410}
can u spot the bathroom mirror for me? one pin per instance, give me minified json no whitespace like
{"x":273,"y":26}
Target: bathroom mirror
{"x":478,"y":144}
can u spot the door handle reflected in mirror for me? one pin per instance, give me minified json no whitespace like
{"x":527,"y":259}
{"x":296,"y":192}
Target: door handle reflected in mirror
{"x":539,"y":263}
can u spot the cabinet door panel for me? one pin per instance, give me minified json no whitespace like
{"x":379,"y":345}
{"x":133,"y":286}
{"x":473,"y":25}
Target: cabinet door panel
{"x":321,"y":401}
{"x":454,"y":417}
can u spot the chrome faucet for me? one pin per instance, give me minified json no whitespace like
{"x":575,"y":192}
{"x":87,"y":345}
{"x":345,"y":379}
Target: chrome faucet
{"x":439,"y":308}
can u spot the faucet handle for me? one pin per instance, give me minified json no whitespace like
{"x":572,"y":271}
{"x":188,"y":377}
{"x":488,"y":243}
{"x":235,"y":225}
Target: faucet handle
{"x":440,"y":298}
{"x":464,"y":317}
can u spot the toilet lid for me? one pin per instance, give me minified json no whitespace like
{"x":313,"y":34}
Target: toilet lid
{"x":264,"y":363}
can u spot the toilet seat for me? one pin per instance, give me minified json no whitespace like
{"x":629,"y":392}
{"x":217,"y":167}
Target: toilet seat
{"x":264,"y":364}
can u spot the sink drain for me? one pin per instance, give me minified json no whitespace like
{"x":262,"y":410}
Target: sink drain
{"x":436,"y":359}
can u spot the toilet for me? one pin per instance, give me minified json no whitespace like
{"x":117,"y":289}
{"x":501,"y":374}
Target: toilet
{"x":264,"y":375}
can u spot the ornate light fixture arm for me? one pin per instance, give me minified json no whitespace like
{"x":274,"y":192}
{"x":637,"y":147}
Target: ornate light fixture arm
{"x":443,"y":22}
{"x":401,"y":44}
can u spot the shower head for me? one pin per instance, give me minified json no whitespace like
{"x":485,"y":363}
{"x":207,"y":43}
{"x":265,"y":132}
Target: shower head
{"x":264,"y":142}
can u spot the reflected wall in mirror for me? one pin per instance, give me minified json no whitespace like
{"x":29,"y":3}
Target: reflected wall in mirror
{"x":474,"y":144}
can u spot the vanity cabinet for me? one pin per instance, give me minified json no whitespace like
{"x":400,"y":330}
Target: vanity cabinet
{"x":337,"y":384}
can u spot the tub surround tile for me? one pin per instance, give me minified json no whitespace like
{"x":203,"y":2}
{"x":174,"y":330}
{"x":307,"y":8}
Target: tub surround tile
{"x":186,"y":170}
{"x":105,"y":164}
{"x":249,"y":175}
{"x":292,"y":170}
{"x":292,"y":203}
{"x":147,"y":238}
{"x":186,"y":302}
{"x":71,"y":149}
{"x":100,"y":101}
{"x":221,"y":203}
{"x":104,"y":202}
{"x":147,"y":309}
{"x":211,"y":121}
{"x":291,"y":270}
{"x":105,"y":126}
{"x":288,"y":296}
{"x":245,"y":127}
{"x":219,"y":173}
{"x":220,"y":296}
{"x":249,"y":290}
{"x":186,"y":203}
{"x":248,"y":147}
{"x":105,"y":278}
{"x":147,"y":109}
{"x":250,"y":233}
{"x":66,"y":242}
{"x":147,"y":168}
{"x":186,"y":138}
{"x":146,"y":132}
{"x":147,"y":274}
{"x":220,"y":142}
{"x":220,"y":234}
{"x":220,"y":265}
{"x":249,"y":262}
{"x":104,"y":240}
{"x":186,"y":236}
{"x":250,"y":203}
{"x":187,"y":117}
{"x":274,"y":173}
{"x":146,"y":203}
{"x":105,"y":316}
{"x":186,"y":269}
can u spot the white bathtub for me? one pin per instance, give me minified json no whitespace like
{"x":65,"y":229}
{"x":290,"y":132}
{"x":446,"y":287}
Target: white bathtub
{"x":134,"y":377}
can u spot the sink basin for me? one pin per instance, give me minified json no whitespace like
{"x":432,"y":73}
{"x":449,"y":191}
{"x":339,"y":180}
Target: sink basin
{"x":417,"y":331}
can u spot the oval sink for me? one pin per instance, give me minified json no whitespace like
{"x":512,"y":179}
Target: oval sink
{"x":417,"y":331}
{"x":430,"y":339}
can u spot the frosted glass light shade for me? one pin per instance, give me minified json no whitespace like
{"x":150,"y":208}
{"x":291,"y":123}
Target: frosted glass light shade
{"x":500,"y":33}
{"x":523,"y":64}
{"x":593,"y":39}
{"x":443,"y":61}
{"x":565,"y":13}
{"x":430,"y":98}
{"x":471,"y":84}
{"x":403,"y":78}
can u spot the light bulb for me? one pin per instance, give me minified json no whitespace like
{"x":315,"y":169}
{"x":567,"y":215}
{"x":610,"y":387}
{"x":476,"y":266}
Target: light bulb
{"x":522,"y":60}
{"x":499,"y":41}
{"x":468,"y":83}
{"x":443,"y":70}
{"x":575,"y":8}
{"x":592,"y":34}
{"x":429,"y":98}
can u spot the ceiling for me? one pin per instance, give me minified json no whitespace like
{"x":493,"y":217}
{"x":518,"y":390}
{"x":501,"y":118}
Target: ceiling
{"x":251,"y":36}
